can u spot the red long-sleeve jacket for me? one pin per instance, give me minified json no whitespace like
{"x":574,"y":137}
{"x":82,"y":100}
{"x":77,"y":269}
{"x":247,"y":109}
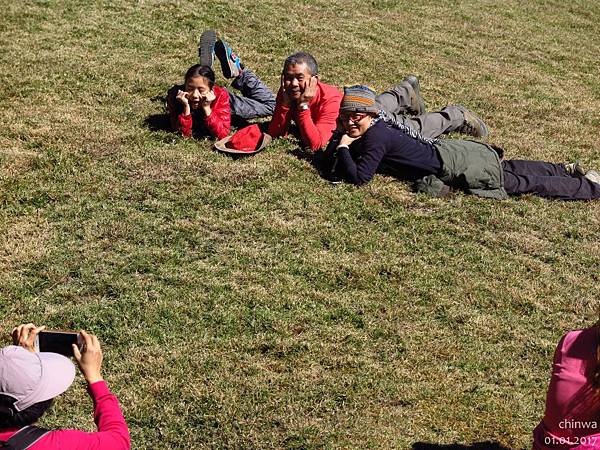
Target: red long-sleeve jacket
{"x":316,"y":124}
{"x":218,"y":124}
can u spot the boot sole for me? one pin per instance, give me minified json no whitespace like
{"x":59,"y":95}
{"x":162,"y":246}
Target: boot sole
{"x":414,"y":82}
{"x":206,"y":48}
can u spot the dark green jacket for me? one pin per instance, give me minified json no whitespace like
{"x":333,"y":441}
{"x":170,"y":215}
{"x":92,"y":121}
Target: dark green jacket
{"x":468,"y":165}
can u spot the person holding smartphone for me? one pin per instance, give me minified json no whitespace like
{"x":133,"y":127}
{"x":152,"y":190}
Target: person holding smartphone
{"x":29,"y":382}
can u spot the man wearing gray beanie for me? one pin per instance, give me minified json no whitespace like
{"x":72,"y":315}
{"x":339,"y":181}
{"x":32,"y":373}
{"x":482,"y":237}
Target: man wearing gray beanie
{"x":372,"y":142}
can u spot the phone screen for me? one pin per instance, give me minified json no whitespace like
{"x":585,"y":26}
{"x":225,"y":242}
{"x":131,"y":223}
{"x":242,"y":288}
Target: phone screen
{"x":57,"y":342}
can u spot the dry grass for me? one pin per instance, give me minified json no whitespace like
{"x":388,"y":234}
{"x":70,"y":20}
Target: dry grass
{"x":249,"y":304}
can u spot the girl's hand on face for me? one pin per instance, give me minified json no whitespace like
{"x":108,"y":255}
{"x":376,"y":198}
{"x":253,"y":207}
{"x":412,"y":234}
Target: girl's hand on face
{"x":208,"y":98}
{"x":182,"y":97}
{"x":206,"y":102}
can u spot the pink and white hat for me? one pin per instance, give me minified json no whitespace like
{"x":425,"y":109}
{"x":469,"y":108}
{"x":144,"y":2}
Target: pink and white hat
{"x":33,"y":377}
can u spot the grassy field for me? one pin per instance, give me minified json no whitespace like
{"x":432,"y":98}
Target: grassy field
{"x":248,"y":303}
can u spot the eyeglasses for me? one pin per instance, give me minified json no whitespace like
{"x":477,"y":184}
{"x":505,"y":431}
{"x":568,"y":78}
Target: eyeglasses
{"x":354,"y":117}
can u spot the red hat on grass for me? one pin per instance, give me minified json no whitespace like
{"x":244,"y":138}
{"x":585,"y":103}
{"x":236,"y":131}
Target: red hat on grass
{"x":247,"y":141}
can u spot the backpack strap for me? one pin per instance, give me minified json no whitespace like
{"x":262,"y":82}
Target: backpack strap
{"x":25,"y":438}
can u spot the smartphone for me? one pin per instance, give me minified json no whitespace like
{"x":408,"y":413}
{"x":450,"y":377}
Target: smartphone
{"x":58,"y":342}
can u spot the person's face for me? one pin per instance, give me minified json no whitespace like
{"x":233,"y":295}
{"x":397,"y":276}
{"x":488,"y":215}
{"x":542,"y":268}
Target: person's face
{"x":295,"y":78}
{"x":356,"y":124}
{"x":196,"y":88}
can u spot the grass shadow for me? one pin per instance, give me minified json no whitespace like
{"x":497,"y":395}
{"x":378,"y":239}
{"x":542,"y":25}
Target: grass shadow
{"x":158,"y":122}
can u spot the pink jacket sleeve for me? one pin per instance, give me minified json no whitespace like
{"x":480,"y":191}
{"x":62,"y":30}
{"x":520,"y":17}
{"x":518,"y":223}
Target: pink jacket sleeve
{"x":112,"y":430}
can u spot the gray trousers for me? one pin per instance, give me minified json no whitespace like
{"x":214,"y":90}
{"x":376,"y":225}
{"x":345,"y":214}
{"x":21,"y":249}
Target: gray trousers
{"x":257,"y":100}
{"x":396,"y":102}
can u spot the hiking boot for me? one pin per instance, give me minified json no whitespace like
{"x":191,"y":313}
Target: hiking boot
{"x":575,"y":169}
{"x":473,"y":125}
{"x":417,"y":105}
{"x":593,"y":176}
{"x":206,"y":48}
{"x":231,"y":64}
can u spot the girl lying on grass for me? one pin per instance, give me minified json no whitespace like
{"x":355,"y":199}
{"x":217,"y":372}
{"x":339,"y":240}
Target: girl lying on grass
{"x":201,"y":108}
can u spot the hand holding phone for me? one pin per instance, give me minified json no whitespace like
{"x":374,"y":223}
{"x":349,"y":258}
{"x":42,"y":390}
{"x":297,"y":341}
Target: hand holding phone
{"x":89,"y":357}
{"x":60,"y":342}
{"x":26,"y":336}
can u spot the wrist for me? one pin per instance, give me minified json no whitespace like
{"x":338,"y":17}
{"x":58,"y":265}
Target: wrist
{"x":207,"y":110}
{"x":92,"y":378}
{"x":186,"y":110}
{"x":303,"y":106}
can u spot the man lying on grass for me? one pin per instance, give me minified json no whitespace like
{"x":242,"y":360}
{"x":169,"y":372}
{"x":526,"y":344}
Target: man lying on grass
{"x":369,"y":141}
{"x":313,"y":106}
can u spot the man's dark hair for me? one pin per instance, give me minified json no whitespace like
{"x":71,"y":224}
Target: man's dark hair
{"x":201,"y":71}
{"x":11,"y":418}
{"x":302,"y":58}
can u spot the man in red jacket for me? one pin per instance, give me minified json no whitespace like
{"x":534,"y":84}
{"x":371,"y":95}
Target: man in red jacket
{"x":303,"y":98}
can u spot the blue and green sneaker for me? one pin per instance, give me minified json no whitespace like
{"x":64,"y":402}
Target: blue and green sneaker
{"x":231,"y":64}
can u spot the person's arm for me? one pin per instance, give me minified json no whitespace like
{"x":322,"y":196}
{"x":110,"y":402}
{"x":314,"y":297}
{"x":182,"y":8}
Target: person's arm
{"x":218,"y":115}
{"x":316,"y":131}
{"x":281,"y":116}
{"x":179,"y":111}
{"x":361,"y":171}
{"x":112,"y":429}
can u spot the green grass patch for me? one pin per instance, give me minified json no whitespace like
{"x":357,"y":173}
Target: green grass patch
{"x":248,"y":303}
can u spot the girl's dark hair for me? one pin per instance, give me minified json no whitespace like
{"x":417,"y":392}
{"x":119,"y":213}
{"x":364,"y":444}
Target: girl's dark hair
{"x":11,"y":418}
{"x":201,"y":71}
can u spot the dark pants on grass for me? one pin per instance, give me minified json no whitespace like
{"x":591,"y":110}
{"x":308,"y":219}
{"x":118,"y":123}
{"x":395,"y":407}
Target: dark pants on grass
{"x":546,"y":180}
{"x":396,"y":102}
{"x":257,"y":100}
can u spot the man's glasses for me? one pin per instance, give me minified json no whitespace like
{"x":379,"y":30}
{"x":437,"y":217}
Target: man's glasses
{"x":354,"y":117}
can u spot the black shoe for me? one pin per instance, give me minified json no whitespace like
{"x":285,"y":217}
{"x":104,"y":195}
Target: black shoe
{"x":575,"y":169}
{"x":206,"y":48}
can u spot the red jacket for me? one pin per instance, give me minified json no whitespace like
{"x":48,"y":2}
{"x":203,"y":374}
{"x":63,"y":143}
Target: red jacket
{"x":316,"y":124}
{"x":218,"y":124}
{"x":112,"y":430}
